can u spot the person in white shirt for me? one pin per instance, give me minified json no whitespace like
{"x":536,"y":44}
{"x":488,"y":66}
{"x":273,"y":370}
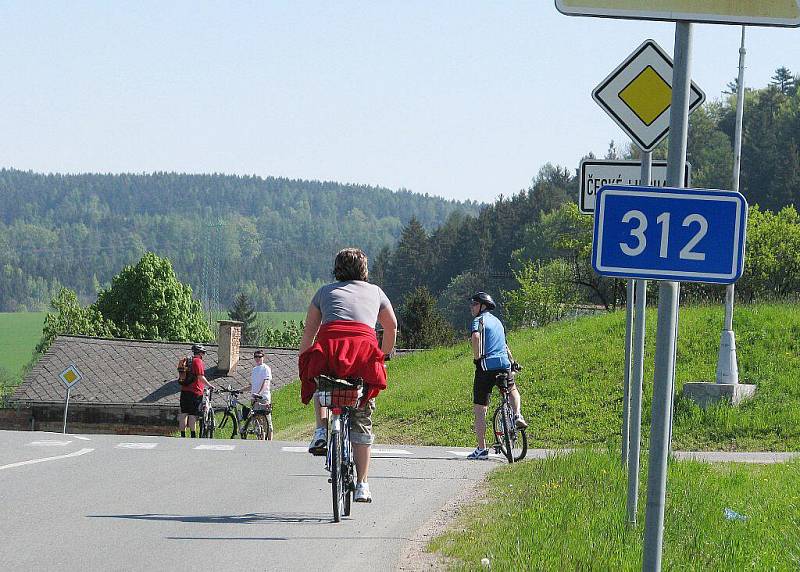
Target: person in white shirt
{"x":260,"y":381}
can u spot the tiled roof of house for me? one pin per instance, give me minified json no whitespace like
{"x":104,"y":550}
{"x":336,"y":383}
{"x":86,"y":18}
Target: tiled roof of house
{"x":129,"y":372}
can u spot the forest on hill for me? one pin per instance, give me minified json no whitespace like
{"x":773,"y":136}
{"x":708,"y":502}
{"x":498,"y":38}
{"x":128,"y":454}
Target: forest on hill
{"x":271,"y":238}
{"x":274,"y":239}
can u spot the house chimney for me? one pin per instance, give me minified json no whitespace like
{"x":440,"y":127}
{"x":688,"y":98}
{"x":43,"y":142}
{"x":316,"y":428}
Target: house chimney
{"x":229,"y":339}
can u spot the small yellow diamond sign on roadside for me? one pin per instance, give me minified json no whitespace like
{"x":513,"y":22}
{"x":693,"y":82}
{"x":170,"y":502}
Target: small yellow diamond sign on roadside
{"x":638,"y":95}
{"x":648,"y":95}
{"x":70,"y":377}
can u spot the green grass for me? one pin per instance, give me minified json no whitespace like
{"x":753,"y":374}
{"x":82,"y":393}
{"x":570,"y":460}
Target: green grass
{"x":19,"y":334}
{"x":271,"y":319}
{"x":572,"y":385}
{"x":568,"y":513}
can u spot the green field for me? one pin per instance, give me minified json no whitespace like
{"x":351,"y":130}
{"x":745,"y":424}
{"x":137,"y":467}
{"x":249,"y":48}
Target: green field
{"x":20,"y":332}
{"x":568,"y":513}
{"x":572,"y":385}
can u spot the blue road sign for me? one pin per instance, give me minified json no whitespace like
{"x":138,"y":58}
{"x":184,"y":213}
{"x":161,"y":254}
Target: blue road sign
{"x":684,"y":235}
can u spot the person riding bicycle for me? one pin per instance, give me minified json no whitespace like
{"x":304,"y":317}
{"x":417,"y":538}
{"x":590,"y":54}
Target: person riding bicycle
{"x":339,"y":340}
{"x":260,"y":380}
{"x":492,"y":356}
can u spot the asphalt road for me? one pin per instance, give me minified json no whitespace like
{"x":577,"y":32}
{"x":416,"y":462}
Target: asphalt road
{"x":107,"y":502}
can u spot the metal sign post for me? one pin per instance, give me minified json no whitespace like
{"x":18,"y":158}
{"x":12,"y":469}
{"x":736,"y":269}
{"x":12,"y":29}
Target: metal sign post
{"x":70,"y":377}
{"x":667,"y":318}
{"x":635,"y":415}
{"x":727,"y":369}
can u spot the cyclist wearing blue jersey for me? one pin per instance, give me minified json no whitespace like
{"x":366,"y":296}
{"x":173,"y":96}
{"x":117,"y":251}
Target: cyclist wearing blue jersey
{"x":491,"y":357}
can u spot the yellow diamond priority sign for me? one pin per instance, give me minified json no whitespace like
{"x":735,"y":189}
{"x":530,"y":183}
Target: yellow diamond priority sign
{"x":70,"y":377}
{"x":638,"y":95}
{"x":750,"y":12}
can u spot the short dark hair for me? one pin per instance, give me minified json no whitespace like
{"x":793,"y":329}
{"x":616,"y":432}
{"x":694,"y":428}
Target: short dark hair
{"x":351,"y":264}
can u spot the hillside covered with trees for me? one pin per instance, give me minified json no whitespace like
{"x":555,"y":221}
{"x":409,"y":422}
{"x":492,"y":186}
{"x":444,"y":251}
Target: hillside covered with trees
{"x":273,"y":239}
{"x":535,"y":246}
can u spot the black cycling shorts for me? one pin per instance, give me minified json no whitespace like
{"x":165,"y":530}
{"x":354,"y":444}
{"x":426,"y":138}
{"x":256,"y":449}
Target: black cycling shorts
{"x":484,"y":382}
{"x":190,"y":403}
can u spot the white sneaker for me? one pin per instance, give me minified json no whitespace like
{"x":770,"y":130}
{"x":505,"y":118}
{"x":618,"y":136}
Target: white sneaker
{"x":479,"y":455}
{"x":319,"y":443}
{"x":520,"y":422}
{"x":362,"y":493}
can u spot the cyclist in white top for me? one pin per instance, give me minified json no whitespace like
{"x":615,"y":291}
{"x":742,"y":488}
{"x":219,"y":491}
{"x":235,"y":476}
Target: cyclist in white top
{"x":260,"y":381}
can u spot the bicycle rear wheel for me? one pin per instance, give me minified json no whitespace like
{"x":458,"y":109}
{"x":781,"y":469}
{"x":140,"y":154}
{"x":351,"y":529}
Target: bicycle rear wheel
{"x":337,"y":484}
{"x":348,"y":476}
{"x":255,"y":425}
{"x":229,"y":418}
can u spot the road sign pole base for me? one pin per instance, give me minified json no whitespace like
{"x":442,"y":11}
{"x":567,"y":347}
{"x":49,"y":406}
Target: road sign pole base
{"x":727,"y":369}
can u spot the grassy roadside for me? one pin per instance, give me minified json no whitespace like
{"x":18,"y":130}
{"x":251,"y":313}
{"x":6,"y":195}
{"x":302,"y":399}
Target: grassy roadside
{"x":572,"y":385}
{"x":568,"y":513}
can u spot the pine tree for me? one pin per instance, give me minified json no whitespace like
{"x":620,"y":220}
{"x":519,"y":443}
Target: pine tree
{"x":422,"y":324}
{"x":410,"y":263}
{"x":244,"y":311}
{"x":783,"y":80}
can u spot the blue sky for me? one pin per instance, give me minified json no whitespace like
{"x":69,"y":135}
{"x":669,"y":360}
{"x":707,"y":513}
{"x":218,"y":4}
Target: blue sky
{"x":464,"y":99}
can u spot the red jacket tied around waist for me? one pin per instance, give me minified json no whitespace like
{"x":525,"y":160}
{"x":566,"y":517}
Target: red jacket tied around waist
{"x":343,"y":349}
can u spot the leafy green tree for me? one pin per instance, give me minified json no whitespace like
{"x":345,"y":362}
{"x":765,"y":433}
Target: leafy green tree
{"x":244,"y":311}
{"x":69,"y":317}
{"x":147,"y":302}
{"x":288,"y":336}
{"x":545,"y":294}
{"x":772,"y":255}
{"x":421,"y":323}
{"x":566,"y":234}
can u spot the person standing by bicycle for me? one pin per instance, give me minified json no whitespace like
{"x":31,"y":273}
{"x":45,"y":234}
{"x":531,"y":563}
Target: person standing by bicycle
{"x":260,"y":381}
{"x":339,"y":340}
{"x":491,"y":357}
{"x":192,"y":393}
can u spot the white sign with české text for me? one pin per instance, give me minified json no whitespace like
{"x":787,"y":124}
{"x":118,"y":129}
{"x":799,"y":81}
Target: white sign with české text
{"x":595,"y":174}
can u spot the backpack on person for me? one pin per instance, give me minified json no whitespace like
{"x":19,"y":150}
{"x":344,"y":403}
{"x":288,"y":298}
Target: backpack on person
{"x":185,"y":374}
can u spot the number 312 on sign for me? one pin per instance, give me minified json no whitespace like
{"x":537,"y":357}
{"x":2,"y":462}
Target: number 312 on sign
{"x":687,"y":235}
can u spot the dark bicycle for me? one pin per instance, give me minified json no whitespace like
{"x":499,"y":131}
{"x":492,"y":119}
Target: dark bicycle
{"x":340,"y":396}
{"x":243,"y":421}
{"x":509,"y":440}
{"x":206,"y":416}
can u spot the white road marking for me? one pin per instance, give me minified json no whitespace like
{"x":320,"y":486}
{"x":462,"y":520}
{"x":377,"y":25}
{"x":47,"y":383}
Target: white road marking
{"x":137,"y":445}
{"x":391,"y":452}
{"x":81,"y":438}
{"x":49,"y":443}
{"x":34,"y":461}
{"x":295,"y":449}
{"x":215,"y":447}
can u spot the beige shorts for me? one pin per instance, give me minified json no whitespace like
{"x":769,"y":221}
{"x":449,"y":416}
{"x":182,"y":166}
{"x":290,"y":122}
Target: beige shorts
{"x":360,"y":423}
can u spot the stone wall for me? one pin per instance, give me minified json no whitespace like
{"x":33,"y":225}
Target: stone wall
{"x":118,"y":419}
